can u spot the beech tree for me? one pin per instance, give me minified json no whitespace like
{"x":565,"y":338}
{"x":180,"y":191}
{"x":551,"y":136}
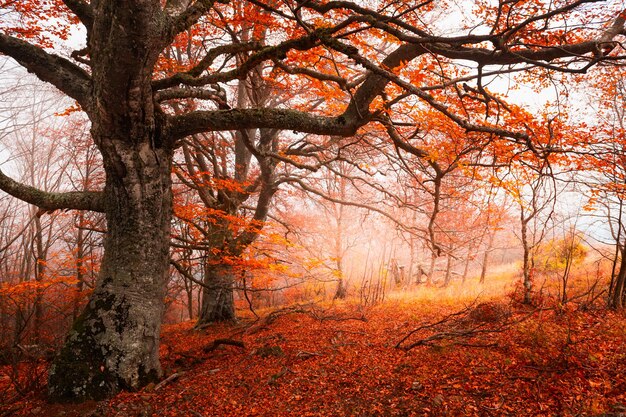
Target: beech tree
{"x":372,"y":58}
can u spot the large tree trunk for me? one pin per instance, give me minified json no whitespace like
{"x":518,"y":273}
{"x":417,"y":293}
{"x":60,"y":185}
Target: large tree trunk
{"x":218,"y":302}
{"x":114,"y":343}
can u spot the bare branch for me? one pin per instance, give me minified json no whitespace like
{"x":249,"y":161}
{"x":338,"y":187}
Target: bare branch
{"x":63,"y":74}
{"x":77,"y":200}
{"x":332,"y":199}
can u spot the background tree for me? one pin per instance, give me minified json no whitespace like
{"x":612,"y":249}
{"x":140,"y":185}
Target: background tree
{"x":607,"y":156}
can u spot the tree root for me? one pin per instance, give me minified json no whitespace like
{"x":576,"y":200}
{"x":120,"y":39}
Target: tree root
{"x":218,"y":342}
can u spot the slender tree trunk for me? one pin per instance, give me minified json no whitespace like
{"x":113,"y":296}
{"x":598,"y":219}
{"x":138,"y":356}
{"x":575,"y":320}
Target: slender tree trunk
{"x":80,"y":258}
{"x":485,"y":265}
{"x":114,"y":343}
{"x":569,"y":260}
{"x":339,"y":210}
{"x":483,"y":269}
{"x":40,"y":270}
{"x":23,"y":311}
{"x":431,"y":268}
{"x":446,"y":280}
{"x":527,"y":265}
{"x":189,"y":291}
{"x":618,"y":291}
{"x":340,"y":292}
{"x":470,"y":255}
{"x":409,"y":282}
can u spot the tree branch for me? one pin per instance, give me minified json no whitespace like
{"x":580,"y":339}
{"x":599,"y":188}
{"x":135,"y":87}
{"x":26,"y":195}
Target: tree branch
{"x":77,"y":200}
{"x":378,"y":77}
{"x":188,"y":17}
{"x":279,"y":51}
{"x":230,"y":49}
{"x":365,"y":206}
{"x":235,"y":119}
{"x":82,"y":10}
{"x":63,"y":74}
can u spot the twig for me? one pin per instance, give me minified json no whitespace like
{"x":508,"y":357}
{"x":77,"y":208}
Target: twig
{"x":478,"y":345}
{"x":305,"y":354}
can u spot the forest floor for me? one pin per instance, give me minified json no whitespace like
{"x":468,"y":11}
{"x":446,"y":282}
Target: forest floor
{"x":402,"y":357}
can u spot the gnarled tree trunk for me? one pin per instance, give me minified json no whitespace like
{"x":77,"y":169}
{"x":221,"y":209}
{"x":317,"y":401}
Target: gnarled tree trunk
{"x":114,"y":343}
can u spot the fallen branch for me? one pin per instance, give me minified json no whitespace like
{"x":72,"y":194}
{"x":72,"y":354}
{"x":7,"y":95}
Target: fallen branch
{"x":304,"y":354}
{"x":274,"y":378}
{"x":460,"y":325}
{"x":446,"y":319}
{"x":169,"y":379}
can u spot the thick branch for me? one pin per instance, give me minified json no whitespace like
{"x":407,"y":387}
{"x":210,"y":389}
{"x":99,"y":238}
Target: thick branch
{"x":77,"y":200}
{"x":64,"y":75}
{"x":198,"y":93}
{"x":235,"y":119}
{"x":82,"y":10}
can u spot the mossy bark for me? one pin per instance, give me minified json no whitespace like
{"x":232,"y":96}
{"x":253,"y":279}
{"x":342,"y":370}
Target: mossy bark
{"x":114,"y":343}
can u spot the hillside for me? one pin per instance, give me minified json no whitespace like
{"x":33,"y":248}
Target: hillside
{"x":464,"y":358}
